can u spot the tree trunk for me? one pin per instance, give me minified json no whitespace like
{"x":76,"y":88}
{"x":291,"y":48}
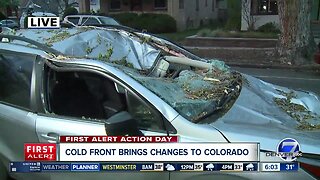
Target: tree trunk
{"x":84,"y":6}
{"x":104,"y":9}
{"x":296,"y":41}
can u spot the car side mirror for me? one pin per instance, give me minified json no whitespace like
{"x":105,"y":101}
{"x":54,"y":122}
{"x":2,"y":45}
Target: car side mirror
{"x":122,"y":124}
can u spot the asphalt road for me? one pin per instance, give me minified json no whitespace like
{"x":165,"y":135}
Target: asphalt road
{"x":309,"y":81}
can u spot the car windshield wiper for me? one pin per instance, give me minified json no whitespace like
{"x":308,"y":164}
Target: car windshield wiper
{"x":231,"y":93}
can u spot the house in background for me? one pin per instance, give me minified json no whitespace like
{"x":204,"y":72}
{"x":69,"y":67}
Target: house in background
{"x":261,"y":11}
{"x":86,"y":5}
{"x":187,"y":13}
{"x":265,"y":11}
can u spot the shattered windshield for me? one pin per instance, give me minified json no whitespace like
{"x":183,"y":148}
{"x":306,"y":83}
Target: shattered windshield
{"x":194,"y":93}
{"x":195,"y":87}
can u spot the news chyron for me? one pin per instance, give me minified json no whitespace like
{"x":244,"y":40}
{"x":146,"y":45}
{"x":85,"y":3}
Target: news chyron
{"x":152,"y":153}
{"x":43,"y":23}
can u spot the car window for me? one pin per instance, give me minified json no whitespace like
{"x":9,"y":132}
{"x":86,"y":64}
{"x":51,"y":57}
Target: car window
{"x":15,"y":79}
{"x":108,"y":21}
{"x":74,"y":20}
{"x":147,"y":117}
{"x":95,"y":97}
{"x":89,"y":21}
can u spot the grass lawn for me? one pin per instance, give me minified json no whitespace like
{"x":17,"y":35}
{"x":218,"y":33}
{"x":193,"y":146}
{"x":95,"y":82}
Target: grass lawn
{"x":206,"y":32}
{"x":179,"y":36}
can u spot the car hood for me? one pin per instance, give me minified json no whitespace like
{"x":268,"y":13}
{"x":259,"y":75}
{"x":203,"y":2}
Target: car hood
{"x":259,"y":115}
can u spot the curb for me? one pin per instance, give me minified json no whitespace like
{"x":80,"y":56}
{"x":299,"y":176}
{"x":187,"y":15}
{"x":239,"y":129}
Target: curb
{"x":313,"y":67}
{"x":195,"y":37}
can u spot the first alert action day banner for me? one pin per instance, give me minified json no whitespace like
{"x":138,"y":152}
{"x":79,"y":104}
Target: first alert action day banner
{"x":152,"y":151}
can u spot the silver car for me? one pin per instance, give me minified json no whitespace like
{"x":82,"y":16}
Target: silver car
{"x":72,"y":81}
{"x":86,"y":20}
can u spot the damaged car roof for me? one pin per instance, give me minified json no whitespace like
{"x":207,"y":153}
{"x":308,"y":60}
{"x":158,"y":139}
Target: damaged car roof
{"x":89,"y":42}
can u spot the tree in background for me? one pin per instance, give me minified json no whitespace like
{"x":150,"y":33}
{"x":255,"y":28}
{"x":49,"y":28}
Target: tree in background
{"x":8,"y":3}
{"x":296,"y":41}
{"x":247,"y":16}
{"x":70,"y":11}
{"x":2,"y":16}
{"x":67,"y":8}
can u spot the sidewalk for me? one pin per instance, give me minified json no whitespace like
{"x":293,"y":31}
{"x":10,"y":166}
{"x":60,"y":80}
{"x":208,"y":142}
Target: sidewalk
{"x":312,"y":67}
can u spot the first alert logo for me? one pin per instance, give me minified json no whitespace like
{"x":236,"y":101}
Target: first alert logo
{"x":40,"y":152}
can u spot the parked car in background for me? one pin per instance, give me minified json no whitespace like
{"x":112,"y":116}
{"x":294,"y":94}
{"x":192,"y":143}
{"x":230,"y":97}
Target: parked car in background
{"x":9,"y":23}
{"x":89,"y":20}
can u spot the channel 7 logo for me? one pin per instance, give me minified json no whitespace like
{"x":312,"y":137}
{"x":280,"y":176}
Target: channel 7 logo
{"x":288,"y":150}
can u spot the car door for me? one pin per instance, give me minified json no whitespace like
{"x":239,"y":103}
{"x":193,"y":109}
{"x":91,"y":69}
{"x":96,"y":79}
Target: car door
{"x":58,"y":85}
{"x":17,"y":111}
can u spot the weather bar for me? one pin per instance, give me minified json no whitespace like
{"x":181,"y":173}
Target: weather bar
{"x":26,"y":167}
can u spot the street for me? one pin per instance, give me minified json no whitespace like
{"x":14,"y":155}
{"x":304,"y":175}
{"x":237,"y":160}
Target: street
{"x":309,"y":81}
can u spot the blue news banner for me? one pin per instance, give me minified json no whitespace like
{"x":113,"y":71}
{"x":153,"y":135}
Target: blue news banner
{"x":27,"y":167}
